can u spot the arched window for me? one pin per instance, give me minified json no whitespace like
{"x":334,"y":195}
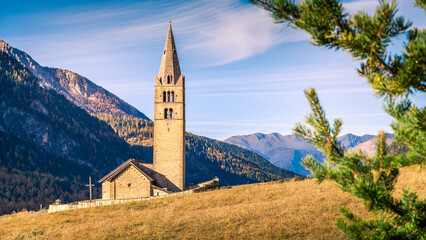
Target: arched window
{"x":170,"y":113}
{"x":168,"y":96}
{"x":166,"y":113}
{"x":172,"y":97}
{"x":169,"y":79}
{"x":164,"y":96}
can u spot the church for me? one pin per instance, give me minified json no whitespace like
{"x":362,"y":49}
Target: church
{"x":135,"y":179}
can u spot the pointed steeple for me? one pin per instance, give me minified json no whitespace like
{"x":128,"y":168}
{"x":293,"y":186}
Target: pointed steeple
{"x":169,"y":68}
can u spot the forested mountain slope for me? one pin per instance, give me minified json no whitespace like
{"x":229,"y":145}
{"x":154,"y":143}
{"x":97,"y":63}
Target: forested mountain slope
{"x":48,"y":146}
{"x":205,"y":157}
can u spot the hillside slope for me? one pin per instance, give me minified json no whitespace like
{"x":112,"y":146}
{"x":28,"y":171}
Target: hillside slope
{"x":49,"y":146}
{"x":78,"y":89}
{"x":287,"y":210}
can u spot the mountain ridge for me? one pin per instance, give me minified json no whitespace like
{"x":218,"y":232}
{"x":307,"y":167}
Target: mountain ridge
{"x":287,"y":151}
{"x":76,"y":88}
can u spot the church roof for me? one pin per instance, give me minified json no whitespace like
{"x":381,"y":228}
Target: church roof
{"x":131,"y":162}
{"x":169,"y":61}
{"x":157,"y":179}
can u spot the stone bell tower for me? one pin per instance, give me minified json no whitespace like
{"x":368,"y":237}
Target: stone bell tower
{"x":169,"y":117}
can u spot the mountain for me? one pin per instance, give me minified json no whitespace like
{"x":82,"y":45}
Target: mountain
{"x":207,"y":157}
{"x":49,"y":146}
{"x":349,"y":140}
{"x":288,"y":151}
{"x":78,"y":89}
{"x":369,"y":147}
{"x":282,"y":151}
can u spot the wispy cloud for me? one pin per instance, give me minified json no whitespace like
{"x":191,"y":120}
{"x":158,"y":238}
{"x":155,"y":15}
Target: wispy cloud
{"x":236,"y":35}
{"x":215,"y":33}
{"x":118,"y":44}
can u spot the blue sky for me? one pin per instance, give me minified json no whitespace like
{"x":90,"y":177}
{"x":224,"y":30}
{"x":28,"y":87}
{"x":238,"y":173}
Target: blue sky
{"x":244,"y":74}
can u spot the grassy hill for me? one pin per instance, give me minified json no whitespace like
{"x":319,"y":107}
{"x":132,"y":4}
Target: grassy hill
{"x":286,"y":210}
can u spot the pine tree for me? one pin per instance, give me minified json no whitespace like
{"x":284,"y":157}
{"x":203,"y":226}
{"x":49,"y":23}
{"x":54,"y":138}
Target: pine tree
{"x":394,"y":78}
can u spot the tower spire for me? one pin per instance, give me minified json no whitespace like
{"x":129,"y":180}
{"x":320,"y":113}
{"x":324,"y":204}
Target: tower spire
{"x":169,"y":118}
{"x":169,"y":61}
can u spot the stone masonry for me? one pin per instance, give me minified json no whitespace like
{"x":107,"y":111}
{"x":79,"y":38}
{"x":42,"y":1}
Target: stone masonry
{"x":128,"y":184}
{"x":169,"y":117}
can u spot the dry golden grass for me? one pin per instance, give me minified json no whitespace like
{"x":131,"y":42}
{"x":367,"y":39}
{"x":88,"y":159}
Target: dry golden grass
{"x":289,"y":210}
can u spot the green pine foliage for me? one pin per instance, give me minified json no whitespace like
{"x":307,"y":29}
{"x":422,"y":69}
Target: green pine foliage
{"x":371,"y":179}
{"x":394,"y":78}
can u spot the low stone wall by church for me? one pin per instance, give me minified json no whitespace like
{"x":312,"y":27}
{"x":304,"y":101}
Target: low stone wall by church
{"x":88,"y":204}
{"x":212,"y":184}
{"x":101,"y":202}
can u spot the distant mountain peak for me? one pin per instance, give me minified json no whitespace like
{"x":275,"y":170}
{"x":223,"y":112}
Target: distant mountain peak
{"x":287,"y":151}
{"x":369,"y":147}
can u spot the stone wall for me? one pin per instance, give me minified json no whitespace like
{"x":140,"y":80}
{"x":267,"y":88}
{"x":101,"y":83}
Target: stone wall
{"x":158,"y":192}
{"x":131,"y":183}
{"x":106,"y":190}
{"x":88,"y":204}
{"x":169,"y":137}
{"x":169,"y":151}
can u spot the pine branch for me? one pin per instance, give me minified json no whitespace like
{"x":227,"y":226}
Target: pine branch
{"x":421,"y":4}
{"x":284,"y":11}
{"x":371,"y":179}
